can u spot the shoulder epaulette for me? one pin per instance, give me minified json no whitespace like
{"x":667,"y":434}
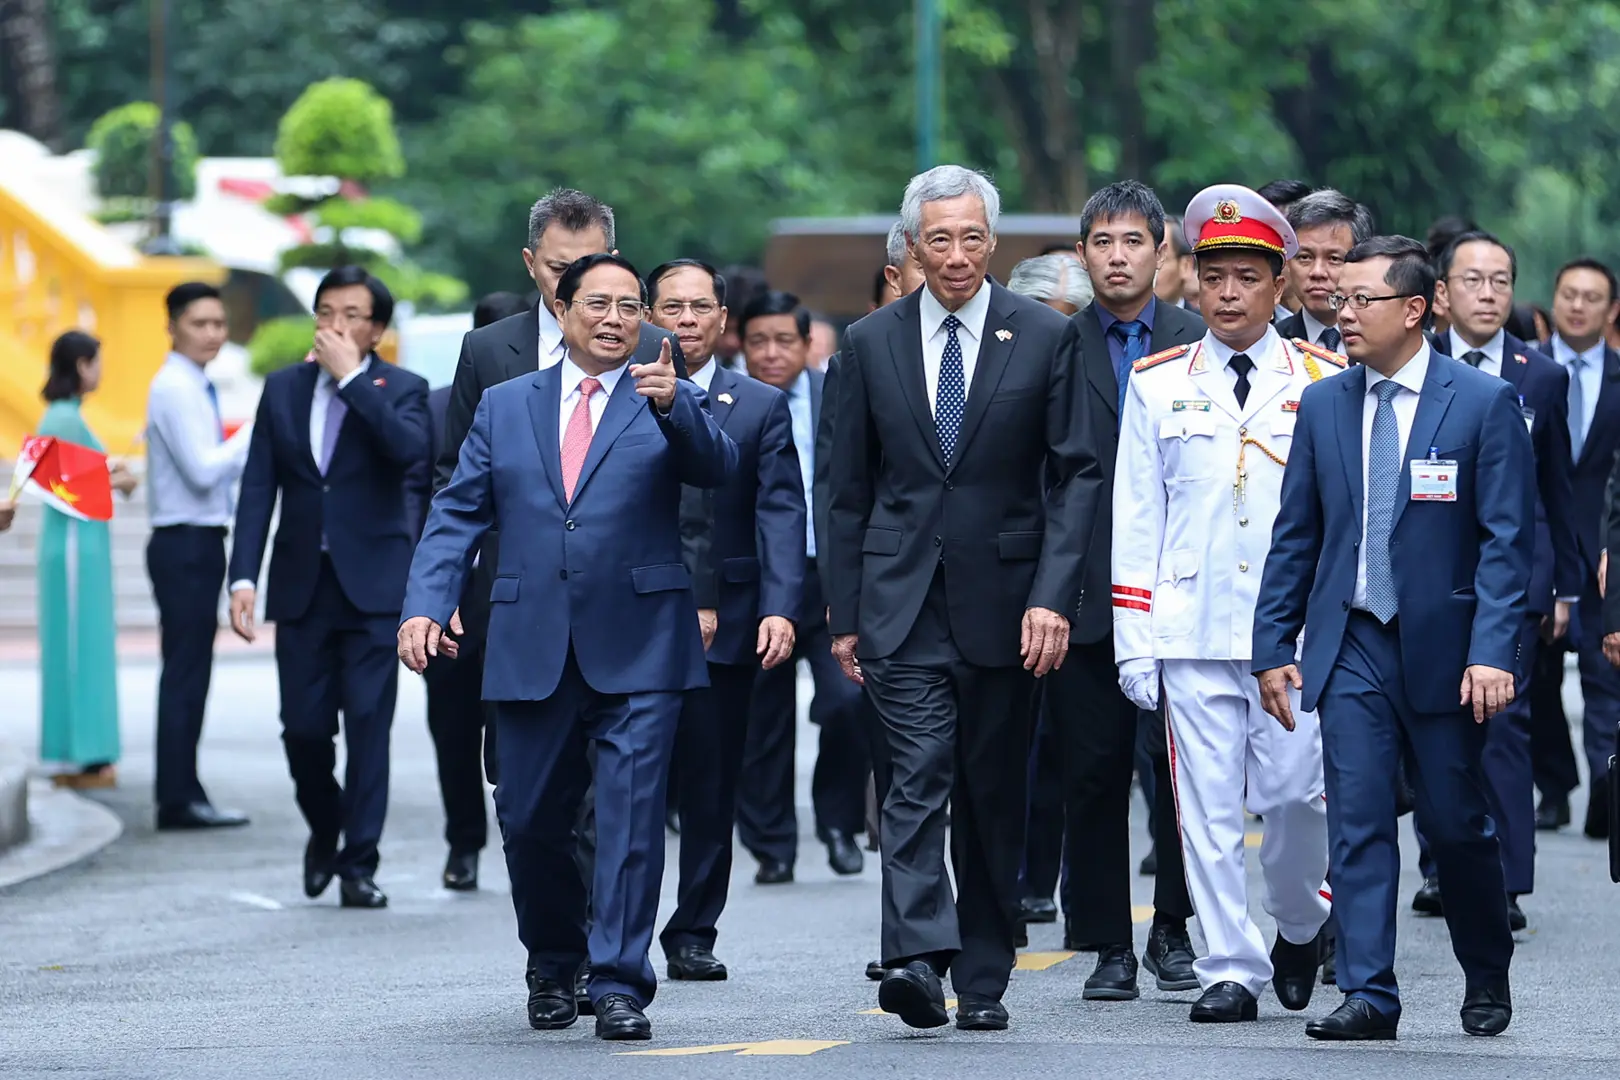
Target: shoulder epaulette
{"x":1160,"y":357}
{"x":1322,"y":354}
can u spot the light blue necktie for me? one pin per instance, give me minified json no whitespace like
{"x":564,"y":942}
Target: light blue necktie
{"x":1577,"y":406}
{"x":950,"y":400}
{"x":219,"y":419}
{"x":1383,"y":483}
{"x":1134,"y":334}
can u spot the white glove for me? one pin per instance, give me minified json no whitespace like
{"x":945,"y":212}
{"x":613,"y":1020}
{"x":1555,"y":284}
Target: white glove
{"x":1140,"y":681}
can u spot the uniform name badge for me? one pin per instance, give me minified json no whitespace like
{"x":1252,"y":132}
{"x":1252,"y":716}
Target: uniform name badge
{"x":1434,"y":479}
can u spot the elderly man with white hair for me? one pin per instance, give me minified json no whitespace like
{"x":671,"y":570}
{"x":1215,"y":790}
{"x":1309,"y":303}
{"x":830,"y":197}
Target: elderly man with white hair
{"x":1057,"y":280}
{"x":964,"y":488}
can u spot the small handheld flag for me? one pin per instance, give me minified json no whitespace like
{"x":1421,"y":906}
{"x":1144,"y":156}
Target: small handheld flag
{"x":69,"y":477}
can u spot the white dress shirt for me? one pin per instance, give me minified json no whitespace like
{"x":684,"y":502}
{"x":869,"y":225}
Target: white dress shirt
{"x":1591,"y":376}
{"x":1262,"y":352}
{"x":552,"y":349}
{"x":1405,"y":405}
{"x":1313,"y":329}
{"x":190,"y":466}
{"x":972,"y":316}
{"x":572,"y":376}
{"x":1492,"y":364}
{"x":804,"y":441}
{"x":704,"y":376}
{"x":326,"y":388}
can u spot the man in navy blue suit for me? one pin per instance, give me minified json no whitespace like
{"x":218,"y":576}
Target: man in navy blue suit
{"x":593,"y":631}
{"x":1404,"y":541}
{"x":757,"y":566}
{"x":1476,"y":278}
{"x":335,"y":437}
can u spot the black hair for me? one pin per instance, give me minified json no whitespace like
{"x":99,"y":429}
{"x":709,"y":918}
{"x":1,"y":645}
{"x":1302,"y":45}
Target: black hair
{"x":1178,"y":236}
{"x":663,"y":270}
{"x":382,"y":301}
{"x":743,"y":283}
{"x":1521,"y":322}
{"x":1120,"y":199}
{"x":66,"y":352}
{"x":497,"y":306}
{"x":1446,"y":229}
{"x":775,"y":302}
{"x":1480,"y":236}
{"x":1273,"y":260}
{"x":187,"y":293}
{"x":1411,"y":272}
{"x":1280,"y":193}
{"x":568,"y":284}
{"x":1593,"y":265}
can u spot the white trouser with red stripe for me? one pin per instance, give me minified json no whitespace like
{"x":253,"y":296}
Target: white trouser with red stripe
{"x":1227,"y":752}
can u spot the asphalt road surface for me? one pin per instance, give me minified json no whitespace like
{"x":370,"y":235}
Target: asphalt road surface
{"x":170,"y":956}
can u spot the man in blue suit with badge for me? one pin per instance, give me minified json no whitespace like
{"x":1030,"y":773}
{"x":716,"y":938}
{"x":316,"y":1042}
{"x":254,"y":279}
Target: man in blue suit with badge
{"x":1404,"y":541}
{"x":593,"y":634}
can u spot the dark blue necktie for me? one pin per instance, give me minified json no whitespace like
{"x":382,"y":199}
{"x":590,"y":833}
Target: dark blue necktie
{"x":950,"y":400}
{"x":1134,"y":336}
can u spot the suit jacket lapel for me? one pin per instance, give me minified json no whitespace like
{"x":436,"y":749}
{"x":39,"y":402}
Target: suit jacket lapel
{"x":905,"y":350}
{"x":720,"y":384}
{"x":818,"y":382}
{"x":544,"y":404}
{"x":303,"y":403}
{"x":523,"y":355}
{"x":1432,"y":405}
{"x":1098,"y":360}
{"x":1213,"y":382}
{"x":1512,"y":370}
{"x":621,"y":409}
{"x":1348,"y":420}
{"x":1000,"y":322}
{"x":1608,"y":401}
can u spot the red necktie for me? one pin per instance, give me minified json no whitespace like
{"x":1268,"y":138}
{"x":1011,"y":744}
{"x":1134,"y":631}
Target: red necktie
{"x":577,"y":439}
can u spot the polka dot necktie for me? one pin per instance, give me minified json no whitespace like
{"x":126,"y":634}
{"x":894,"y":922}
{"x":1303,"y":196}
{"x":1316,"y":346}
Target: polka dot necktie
{"x":1383,"y":483}
{"x":1329,"y":339}
{"x":951,"y":398}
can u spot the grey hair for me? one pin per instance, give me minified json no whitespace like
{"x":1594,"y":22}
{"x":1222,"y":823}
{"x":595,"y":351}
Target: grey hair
{"x":1328,"y":207}
{"x":946,"y":182}
{"x":895,"y":249}
{"x":1052,"y":277}
{"x":572,"y":210}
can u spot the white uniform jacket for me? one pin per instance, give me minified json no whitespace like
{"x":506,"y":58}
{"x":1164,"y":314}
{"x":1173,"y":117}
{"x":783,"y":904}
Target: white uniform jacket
{"x":1197,"y":483}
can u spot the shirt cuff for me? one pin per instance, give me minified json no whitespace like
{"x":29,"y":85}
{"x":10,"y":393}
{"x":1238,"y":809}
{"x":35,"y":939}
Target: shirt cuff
{"x":1567,"y":599}
{"x":235,"y":585}
{"x":350,"y":377}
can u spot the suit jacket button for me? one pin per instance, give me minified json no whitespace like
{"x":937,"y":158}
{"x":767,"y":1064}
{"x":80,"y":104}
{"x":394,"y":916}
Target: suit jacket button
{"x":949,"y":486}
{"x":569,"y":525}
{"x":937,"y":541}
{"x":1346,"y":605}
{"x":563,"y":574}
{"x":326,"y":488}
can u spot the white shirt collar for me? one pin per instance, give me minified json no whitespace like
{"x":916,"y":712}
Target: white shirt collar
{"x":192,"y":369}
{"x":1411,"y":376}
{"x":573,"y":375}
{"x":1313,"y":329}
{"x":1261,"y":352}
{"x":971,"y":314}
{"x":704,"y":376}
{"x":551,"y":335}
{"x":1565,"y":353}
{"x":1492,"y":348}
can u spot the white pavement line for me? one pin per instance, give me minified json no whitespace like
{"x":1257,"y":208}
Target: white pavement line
{"x":252,"y":899}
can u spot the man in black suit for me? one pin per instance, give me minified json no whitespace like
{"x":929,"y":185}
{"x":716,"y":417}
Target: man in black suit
{"x":1585,"y":302}
{"x":335,"y":438}
{"x":757,"y":565}
{"x":1121,"y":244}
{"x":964,"y":490}
{"x":1328,"y":224}
{"x":1476,"y":275}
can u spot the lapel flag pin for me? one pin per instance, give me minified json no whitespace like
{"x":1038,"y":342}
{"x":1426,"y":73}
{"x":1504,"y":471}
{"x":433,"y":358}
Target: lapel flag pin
{"x":726,"y":399}
{"x":1003,"y":335}
{"x":379,"y":381}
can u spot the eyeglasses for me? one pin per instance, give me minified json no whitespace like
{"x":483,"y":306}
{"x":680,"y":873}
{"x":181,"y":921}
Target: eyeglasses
{"x":1472,"y":282}
{"x":597,"y":307}
{"x":329,"y":315}
{"x":671,"y":309}
{"x":1359,"y":301}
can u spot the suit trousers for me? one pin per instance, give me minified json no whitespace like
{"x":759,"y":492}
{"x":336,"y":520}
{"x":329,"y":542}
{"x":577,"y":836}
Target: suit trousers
{"x":1600,"y":685}
{"x":1227,"y":753}
{"x":335,"y":659}
{"x":455,"y":717}
{"x":1366,"y":722}
{"x":1043,"y":840}
{"x":1509,"y":785}
{"x":1095,"y":725}
{"x":708,"y":756}
{"x":1552,"y":754}
{"x":958,"y":734}
{"x":187,"y":566}
{"x":544,"y":774}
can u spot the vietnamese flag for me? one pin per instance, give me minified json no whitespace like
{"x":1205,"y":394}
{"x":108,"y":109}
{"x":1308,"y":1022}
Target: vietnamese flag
{"x":67,"y":476}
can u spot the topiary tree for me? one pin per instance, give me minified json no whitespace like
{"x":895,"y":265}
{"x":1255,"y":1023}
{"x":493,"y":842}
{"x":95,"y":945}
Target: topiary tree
{"x":125,"y":140}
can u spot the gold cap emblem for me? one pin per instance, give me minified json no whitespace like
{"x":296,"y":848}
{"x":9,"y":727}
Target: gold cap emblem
{"x":1227,"y":213}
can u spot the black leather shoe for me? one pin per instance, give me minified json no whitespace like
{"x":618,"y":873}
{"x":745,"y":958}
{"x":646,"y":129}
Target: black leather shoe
{"x":874,"y":970}
{"x":461,"y":871}
{"x":197,"y":815}
{"x":1516,"y":917}
{"x":318,"y":865}
{"x":975,"y":1013}
{"x":1293,"y":970}
{"x":1038,"y":909}
{"x":1169,"y":956}
{"x":620,"y":1019}
{"x":843,"y":853}
{"x":913,"y":993}
{"x":1426,"y":901}
{"x":1597,"y":809}
{"x":1330,"y":962}
{"x":773,"y":873}
{"x":1354,"y":1021}
{"x":1224,"y":1003}
{"x":1487,"y":1010}
{"x":551,"y":1005}
{"x":1150,"y":863}
{"x":1114,"y":978}
{"x":695,"y":963}
{"x":361,"y":892}
{"x":582,"y":994}
{"x":1552,"y":814}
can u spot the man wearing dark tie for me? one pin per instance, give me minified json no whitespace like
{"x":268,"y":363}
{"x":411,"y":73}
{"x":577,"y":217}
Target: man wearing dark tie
{"x":1404,"y":540}
{"x":593,"y":631}
{"x":758,"y":567}
{"x":334,"y":437}
{"x":964,"y":489}
{"x":1328,"y":225}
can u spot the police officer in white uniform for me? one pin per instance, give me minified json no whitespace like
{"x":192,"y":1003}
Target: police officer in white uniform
{"x":1204,"y":437}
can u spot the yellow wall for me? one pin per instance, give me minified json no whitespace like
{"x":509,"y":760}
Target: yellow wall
{"x":60,"y":271}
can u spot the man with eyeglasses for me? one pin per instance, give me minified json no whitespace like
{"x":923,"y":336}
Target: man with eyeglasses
{"x":1328,"y":224}
{"x":1476,"y":276}
{"x":335,"y":438}
{"x":757,"y":562}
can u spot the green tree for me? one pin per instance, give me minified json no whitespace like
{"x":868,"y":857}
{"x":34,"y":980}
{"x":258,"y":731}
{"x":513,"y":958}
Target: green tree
{"x":125,"y":142}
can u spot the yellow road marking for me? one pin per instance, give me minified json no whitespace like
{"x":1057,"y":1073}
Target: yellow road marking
{"x":1141,"y":913}
{"x":1040,"y":961}
{"x":767,"y":1048}
{"x":1252,"y":839}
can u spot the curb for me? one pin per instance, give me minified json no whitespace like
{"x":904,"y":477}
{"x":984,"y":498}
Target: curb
{"x":64,"y":828}
{"x":13,"y":804}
